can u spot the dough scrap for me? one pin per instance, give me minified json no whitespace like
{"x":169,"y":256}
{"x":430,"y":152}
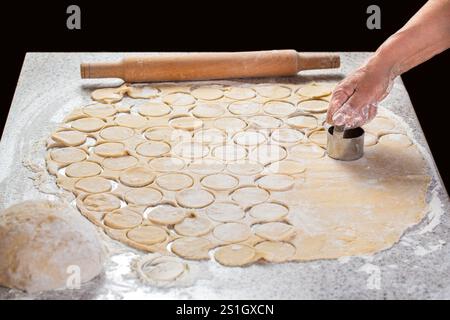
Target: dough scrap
{"x":232,"y":232}
{"x":174,"y":181}
{"x":279,"y":108}
{"x":165,"y":214}
{"x":207,"y":93}
{"x":273,"y":91}
{"x":194,"y":198}
{"x":147,"y":235}
{"x":235,"y":255}
{"x":244,"y":108}
{"x":220,"y":181}
{"x":143,"y":196}
{"x":137,"y":177}
{"x":193,"y":248}
{"x":193,"y":227}
{"x":276,"y":182}
{"x":268,"y":211}
{"x":275,"y":251}
{"x":225,"y":212}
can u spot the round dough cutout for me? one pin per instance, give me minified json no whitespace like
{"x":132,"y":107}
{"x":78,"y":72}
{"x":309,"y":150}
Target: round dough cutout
{"x":220,"y":181}
{"x":194,"y":198}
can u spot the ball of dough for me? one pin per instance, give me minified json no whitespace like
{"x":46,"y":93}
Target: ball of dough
{"x":43,"y":244}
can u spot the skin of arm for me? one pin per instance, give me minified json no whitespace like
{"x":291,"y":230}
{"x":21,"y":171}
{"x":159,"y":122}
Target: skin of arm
{"x":426,"y":34}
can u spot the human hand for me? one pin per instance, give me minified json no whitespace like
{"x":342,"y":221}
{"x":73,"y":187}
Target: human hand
{"x":355,"y":99}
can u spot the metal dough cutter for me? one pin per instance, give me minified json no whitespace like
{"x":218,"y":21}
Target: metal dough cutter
{"x":345,"y":144}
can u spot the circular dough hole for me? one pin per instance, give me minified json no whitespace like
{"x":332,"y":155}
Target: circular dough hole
{"x":174,"y":181}
{"x":225,"y":212}
{"x":245,"y":167}
{"x":143,"y":196}
{"x":279,"y":108}
{"x":208,"y":110}
{"x":276,"y":251}
{"x":153,"y":148}
{"x":276,"y":182}
{"x":165,"y":164}
{"x":165,"y":214}
{"x":137,"y":177}
{"x":229,"y":152}
{"x":193,"y":227}
{"x":191,"y":150}
{"x":116,"y":133}
{"x":244,"y":108}
{"x":194,"y":198}
{"x":119,"y":163}
{"x":274,"y":231}
{"x":122,"y":218}
{"x":238,"y":93}
{"x":232,"y":232}
{"x":147,"y":235}
{"x":235,"y":255}
{"x":268,"y":211}
{"x":248,"y":196}
{"x":249,"y":138}
{"x":219,"y":181}
{"x":268,"y":153}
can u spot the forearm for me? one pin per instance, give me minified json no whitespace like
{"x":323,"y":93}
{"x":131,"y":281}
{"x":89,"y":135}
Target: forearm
{"x":426,"y":34}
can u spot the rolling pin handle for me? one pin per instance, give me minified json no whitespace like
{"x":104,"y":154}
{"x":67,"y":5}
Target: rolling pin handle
{"x":308,"y":61}
{"x":101,"y":70}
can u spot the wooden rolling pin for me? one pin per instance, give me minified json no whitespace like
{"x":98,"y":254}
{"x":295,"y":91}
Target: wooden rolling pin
{"x":210,"y":65}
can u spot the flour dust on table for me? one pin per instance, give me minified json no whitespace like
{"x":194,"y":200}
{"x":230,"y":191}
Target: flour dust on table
{"x":234,"y":172}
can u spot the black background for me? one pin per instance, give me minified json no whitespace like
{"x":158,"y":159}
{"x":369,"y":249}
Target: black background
{"x":225,"y":26}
